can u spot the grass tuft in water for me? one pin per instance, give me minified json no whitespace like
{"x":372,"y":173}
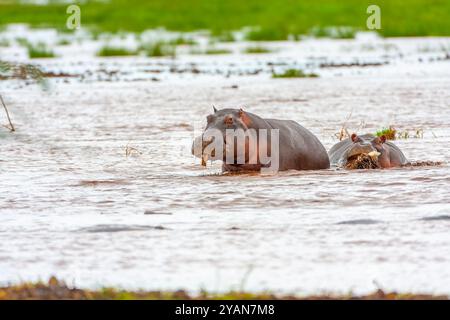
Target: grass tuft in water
{"x":111,"y":51}
{"x":4,"y":43}
{"x":266,"y":34}
{"x":389,"y":133}
{"x":257,"y":49}
{"x":226,"y":36}
{"x":39,"y":50}
{"x":339,"y":32}
{"x":183,"y":41}
{"x":210,"y":51}
{"x":294,"y":73}
{"x":63,"y":42}
{"x":159,"y":49}
{"x":217,"y":51}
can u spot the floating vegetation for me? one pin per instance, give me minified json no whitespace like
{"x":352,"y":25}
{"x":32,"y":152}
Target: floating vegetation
{"x":21,"y":71}
{"x":392,"y":134}
{"x":217,"y":51}
{"x":158,"y":49}
{"x":294,"y":73}
{"x":63,"y":42}
{"x":131,"y":151}
{"x":39,"y":50}
{"x":4,"y":43}
{"x":339,"y":32}
{"x":416,"y":133}
{"x":111,"y":51}
{"x":257,"y":49}
{"x":389,"y":133}
{"x":226,"y":36}
{"x":265,"y":34}
{"x":22,"y":42}
{"x":183,"y":41}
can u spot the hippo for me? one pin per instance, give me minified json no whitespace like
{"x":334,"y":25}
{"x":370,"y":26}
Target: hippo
{"x":377,"y":150}
{"x":293,"y":147}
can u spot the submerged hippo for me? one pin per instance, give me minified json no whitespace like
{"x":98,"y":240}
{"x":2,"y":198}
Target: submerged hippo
{"x":276,"y":144}
{"x":376,"y":150}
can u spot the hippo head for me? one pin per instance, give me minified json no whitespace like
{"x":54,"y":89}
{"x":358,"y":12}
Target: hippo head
{"x":369,"y":146}
{"x":217,"y":125}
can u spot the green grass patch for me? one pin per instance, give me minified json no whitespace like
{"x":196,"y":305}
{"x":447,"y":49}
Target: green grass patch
{"x":183,"y":41}
{"x":22,"y":42}
{"x":4,"y":43}
{"x":294,"y":73}
{"x":55,"y":289}
{"x":111,"y":51}
{"x":341,"y":32}
{"x":226,"y":36}
{"x":274,"y":19}
{"x":39,"y":50}
{"x":210,"y":51}
{"x":266,"y":34}
{"x":63,"y":42}
{"x":257,"y":49}
{"x":217,"y":51}
{"x":159,"y":49}
{"x":389,"y":133}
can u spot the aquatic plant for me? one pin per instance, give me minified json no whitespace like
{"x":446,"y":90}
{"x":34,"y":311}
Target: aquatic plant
{"x":414,"y":133}
{"x":180,"y":41}
{"x":39,"y":50}
{"x":217,"y":51}
{"x":294,"y":73}
{"x":158,"y":49}
{"x":63,"y":42}
{"x":111,"y":51}
{"x":337,"y":32}
{"x":389,"y":133}
{"x":4,"y":43}
{"x":257,"y":49}
{"x":226,"y":36}
{"x":21,"y":71}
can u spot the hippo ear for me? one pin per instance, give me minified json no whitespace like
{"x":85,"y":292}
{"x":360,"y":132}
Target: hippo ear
{"x":354,"y":137}
{"x":214,"y":109}
{"x":383,"y":139}
{"x":244,"y":117}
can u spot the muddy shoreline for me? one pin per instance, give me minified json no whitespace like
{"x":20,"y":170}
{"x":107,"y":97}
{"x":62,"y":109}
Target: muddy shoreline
{"x":55,"y":289}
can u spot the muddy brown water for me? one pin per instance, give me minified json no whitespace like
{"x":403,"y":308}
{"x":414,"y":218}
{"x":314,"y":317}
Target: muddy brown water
{"x":75,"y":205}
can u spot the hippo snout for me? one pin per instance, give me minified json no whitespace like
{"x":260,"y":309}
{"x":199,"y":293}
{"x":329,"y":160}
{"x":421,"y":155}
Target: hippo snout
{"x":199,"y":144}
{"x":360,"y":148}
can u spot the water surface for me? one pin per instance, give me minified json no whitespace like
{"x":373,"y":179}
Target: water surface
{"x":75,"y":205}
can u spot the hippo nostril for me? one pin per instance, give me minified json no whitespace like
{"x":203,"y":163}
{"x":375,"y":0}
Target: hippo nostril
{"x":228,"y":120}
{"x":208,"y":140}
